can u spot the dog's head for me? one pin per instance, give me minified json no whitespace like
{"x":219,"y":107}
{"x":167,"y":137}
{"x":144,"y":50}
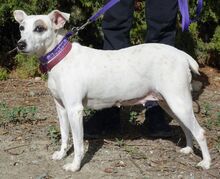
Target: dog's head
{"x":38,"y":32}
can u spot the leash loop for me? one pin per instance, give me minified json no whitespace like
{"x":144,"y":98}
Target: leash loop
{"x":184,"y":10}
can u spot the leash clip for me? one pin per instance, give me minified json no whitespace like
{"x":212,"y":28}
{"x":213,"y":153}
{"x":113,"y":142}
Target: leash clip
{"x":75,"y":30}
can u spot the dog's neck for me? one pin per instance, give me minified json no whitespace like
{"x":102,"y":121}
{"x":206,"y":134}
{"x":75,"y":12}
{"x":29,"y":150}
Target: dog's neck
{"x":59,"y":48}
{"x":58,"y":36}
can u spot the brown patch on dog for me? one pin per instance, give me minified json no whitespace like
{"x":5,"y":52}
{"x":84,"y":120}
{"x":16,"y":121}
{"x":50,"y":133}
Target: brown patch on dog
{"x":41,"y":23}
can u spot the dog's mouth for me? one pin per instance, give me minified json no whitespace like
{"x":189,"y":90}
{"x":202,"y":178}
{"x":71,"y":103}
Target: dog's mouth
{"x":22,"y":51}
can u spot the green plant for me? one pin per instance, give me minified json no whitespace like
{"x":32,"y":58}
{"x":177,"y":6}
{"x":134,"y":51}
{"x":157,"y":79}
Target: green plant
{"x":133,"y":117}
{"x":88,"y":113}
{"x":135,"y":152}
{"x":120,"y":142}
{"x":3,"y":74}
{"x":217,"y":122}
{"x":27,"y":66}
{"x":206,"y":109}
{"x":18,"y":114}
{"x":209,"y":123}
{"x":138,"y":31}
{"x":54,"y":134}
{"x":206,"y":112}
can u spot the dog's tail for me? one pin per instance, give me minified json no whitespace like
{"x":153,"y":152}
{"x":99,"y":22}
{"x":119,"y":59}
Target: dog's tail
{"x":194,"y":66}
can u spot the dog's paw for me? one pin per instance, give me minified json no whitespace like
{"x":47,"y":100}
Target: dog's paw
{"x":58,"y":155}
{"x":205,"y":164}
{"x":71,"y":167}
{"x":186,"y":150}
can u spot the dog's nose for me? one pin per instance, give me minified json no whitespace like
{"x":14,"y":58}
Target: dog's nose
{"x":21,"y":45}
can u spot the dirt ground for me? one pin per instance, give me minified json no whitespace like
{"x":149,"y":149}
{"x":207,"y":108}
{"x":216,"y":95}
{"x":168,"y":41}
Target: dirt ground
{"x":26,"y":148}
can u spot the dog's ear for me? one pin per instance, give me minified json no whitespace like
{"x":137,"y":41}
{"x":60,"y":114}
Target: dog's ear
{"x":19,"y":15}
{"x":59,"y":18}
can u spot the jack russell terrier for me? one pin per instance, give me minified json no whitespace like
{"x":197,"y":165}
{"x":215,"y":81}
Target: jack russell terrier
{"x":80,"y":76}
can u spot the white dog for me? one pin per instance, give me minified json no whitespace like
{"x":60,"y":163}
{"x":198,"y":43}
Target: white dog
{"x":100,"y":79}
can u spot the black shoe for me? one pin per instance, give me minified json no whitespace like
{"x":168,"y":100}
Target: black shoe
{"x":103,"y":122}
{"x":157,"y":124}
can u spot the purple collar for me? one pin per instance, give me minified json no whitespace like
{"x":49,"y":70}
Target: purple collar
{"x":48,"y":61}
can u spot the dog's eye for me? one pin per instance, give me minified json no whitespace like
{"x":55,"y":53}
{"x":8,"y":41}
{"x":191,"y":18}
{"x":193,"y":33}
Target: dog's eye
{"x":39,"y":29}
{"x":21,"y":28}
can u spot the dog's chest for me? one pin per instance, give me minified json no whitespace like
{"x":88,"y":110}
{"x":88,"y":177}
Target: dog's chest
{"x":53,"y":88}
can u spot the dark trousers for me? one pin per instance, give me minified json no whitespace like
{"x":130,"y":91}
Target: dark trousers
{"x":161,"y":28}
{"x":160,"y":18}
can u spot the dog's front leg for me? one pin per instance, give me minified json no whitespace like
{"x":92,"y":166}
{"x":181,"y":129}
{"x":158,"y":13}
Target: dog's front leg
{"x":75,"y":116}
{"x":64,"y":129}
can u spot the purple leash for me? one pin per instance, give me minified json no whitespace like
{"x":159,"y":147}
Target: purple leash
{"x":93,"y":18}
{"x":103,"y":10}
{"x":184,"y":10}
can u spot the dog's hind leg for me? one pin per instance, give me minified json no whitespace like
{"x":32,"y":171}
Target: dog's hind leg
{"x":64,"y":130}
{"x":181,"y":106}
{"x":189,"y":139}
{"x":75,"y":116}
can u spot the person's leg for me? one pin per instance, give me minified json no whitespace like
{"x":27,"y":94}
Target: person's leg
{"x":161,"y":28}
{"x":116,"y":25}
{"x":161,"y":21}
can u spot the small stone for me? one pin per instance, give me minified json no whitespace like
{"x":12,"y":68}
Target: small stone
{"x":108,"y":170}
{"x":35,"y":162}
{"x":37,"y":78}
{"x":32,"y":93}
{"x":43,"y":176}
{"x":19,"y":138}
{"x":120,"y":164}
{"x":180,"y":176}
{"x":15,"y":164}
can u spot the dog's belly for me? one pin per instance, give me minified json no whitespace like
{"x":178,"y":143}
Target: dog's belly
{"x":96,"y":103}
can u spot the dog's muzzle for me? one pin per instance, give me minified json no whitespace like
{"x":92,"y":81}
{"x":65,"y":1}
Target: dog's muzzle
{"x":21,"y":45}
